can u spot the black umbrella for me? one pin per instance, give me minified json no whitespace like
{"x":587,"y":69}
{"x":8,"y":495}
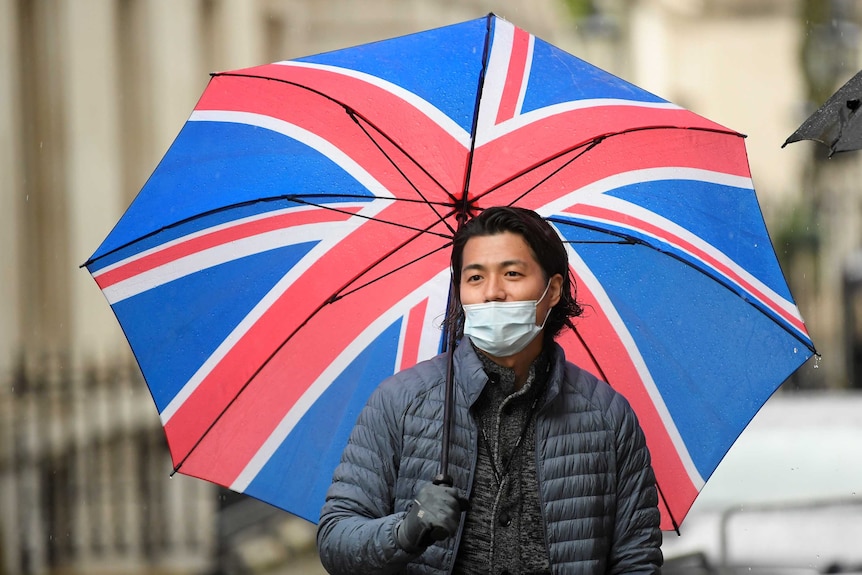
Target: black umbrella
{"x":836,"y":123}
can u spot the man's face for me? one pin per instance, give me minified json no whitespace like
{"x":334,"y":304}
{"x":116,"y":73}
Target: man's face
{"x":501,"y":267}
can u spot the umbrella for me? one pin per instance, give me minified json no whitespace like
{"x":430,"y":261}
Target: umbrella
{"x":836,"y":123}
{"x":291,"y":250}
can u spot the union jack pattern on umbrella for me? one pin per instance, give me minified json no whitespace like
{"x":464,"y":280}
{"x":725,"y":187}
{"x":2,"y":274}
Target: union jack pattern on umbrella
{"x":291,"y":250}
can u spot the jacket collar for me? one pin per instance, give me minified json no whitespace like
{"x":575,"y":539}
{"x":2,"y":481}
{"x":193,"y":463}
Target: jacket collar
{"x":471,"y":377}
{"x":469,"y":373}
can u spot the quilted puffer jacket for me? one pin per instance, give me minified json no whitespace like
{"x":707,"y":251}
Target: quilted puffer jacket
{"x":596,"y":484}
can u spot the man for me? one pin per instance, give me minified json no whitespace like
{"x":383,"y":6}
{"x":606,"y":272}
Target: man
{"x":549,"y":466}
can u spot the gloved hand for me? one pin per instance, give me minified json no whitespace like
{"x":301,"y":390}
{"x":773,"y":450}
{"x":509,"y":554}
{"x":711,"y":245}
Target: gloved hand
{"x":434,"y":516}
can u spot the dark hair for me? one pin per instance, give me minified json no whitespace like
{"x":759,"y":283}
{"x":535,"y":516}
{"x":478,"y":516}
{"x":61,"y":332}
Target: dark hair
{"x":546,"y":247}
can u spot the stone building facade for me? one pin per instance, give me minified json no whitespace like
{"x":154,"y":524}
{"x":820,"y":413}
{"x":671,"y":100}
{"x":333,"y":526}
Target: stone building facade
{"x":92,"y":93}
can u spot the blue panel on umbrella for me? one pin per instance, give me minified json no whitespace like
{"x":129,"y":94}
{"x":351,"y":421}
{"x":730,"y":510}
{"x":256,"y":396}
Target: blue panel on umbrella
{"x":705,"y":209}
{"x":214,"y":165}
{"x":299,"y":473}
{"x":557,"y":77}
{"x":174,"y":329}
{"x":441,"y":66}
{"x":711,"y":380}
{"x":578,"y":235}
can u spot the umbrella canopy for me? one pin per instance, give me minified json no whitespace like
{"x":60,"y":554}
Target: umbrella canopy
{"x":837,"y":123}
{"x":291,"y":250}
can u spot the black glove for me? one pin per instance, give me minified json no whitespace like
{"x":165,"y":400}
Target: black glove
{"x":434,"y":516}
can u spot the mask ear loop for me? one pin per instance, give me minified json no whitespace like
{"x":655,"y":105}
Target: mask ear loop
{"x":547,"y":315}
{"x":544,"y":293}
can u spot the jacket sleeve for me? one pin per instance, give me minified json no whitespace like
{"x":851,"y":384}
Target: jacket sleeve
{"x":637,"y":537}
{"x":356,"y":532}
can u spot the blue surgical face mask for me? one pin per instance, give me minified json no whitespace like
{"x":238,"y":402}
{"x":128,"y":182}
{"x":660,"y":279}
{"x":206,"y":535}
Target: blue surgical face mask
{"x":503,"y":328}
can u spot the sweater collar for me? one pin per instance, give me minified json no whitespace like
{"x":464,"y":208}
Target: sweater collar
{"x":537,"y":375}
{"x":471,"y":375}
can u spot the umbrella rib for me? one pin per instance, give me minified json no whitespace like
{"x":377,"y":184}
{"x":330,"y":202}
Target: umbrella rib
{"x":727,"y":285}
{"x":337,"y":295}
{"x":601,"y":375}
{"x":587,"y":145}
{"x":673,"y":520}
{"x":239,"y":392}
{"x":464,"y":204}
{"x":298,"y":198}
{"x":624,"y":238}
{"x":421,"y":231}
{"x":341,"y":293}
{"x":355,"y":116}
{"x":632,"y":240}
{"x":358,"y":197}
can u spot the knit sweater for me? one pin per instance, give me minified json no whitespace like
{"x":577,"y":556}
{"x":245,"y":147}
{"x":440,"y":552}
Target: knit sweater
{"x":503,"y":528}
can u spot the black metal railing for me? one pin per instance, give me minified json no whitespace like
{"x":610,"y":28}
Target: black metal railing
{"x":85,"y":476}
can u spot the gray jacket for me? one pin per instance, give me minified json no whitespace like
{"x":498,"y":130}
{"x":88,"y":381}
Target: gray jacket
{"x":596,"y":483}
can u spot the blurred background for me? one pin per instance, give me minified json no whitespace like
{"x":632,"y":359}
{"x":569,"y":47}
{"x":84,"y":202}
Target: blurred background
{"x":92,"y":93}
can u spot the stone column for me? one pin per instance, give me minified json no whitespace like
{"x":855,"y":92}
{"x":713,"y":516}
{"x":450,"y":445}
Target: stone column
{"x":93,"y":163}
{"x":177,"y":77}
{"x":10,"y":183}
{"x":242,"y":26}
{"x":178,"y":72}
